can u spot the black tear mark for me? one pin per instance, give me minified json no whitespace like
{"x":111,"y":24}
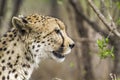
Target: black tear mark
{"x":63,"y":40}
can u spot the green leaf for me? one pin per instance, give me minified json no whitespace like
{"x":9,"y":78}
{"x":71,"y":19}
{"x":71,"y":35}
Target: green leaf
{"x":100,"y":43}
{"x":107,"y":40}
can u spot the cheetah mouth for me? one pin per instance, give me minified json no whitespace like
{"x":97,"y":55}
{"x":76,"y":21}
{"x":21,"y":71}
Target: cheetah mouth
{"x":58,"y":55}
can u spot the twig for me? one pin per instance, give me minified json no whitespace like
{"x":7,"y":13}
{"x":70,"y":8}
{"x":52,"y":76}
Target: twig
{"x":110,"y":25}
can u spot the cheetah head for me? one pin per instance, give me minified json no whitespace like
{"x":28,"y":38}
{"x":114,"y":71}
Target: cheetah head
{"x":45,"y":36}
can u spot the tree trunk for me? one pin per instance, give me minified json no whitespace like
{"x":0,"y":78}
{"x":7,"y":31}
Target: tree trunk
{"x":116,"y":66}
{"x":16,"y":8}
{"x":2,"y":10}
{"x":54,"y":8}
{"x":83,"y":32}
{"x":88,"y":75}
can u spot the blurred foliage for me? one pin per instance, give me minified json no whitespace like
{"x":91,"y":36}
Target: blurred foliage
{"x":104,"y":50}
{"x":60,"y":1}
{"x":118,"y":7}
{"x":71,"y":64}
{"x":118,"y":21}
{"x":118,"y":4}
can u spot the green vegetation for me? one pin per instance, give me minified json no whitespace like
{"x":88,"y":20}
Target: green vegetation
{"x":60,"y":1}
{"x":71,"y":64}
{"x":104,"y":50}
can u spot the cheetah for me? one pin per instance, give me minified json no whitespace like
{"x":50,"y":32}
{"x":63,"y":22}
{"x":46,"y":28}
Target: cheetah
{"x":32,"y":39}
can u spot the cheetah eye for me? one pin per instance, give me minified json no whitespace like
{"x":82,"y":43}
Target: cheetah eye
{"x":25,"y":21}
{"x":57,"y":31}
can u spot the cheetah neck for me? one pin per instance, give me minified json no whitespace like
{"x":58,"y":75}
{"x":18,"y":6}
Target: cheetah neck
{"x":12,"y":45}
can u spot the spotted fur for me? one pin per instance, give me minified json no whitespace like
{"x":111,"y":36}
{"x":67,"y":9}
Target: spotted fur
{"x":32,"y":39}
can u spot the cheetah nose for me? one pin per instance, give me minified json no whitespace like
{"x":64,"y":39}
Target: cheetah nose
{"x":71,"y":45}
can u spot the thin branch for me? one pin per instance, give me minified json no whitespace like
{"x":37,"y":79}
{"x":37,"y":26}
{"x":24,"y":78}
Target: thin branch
{"x":103,"y":7}
{"x":110,"y":25}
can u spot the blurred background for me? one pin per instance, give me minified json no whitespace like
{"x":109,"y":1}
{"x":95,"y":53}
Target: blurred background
{"x":86,"y":61}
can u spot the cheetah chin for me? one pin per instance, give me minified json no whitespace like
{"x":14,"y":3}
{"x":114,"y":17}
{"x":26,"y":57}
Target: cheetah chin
{"x":57,"y":56}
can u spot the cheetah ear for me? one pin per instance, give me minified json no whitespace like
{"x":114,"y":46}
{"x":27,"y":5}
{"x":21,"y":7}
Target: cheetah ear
{"x":19,"y":23}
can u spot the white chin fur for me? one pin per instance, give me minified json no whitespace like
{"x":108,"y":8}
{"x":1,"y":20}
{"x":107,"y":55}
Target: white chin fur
{"x":67,"y":51}
{"x":57,"y":59}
